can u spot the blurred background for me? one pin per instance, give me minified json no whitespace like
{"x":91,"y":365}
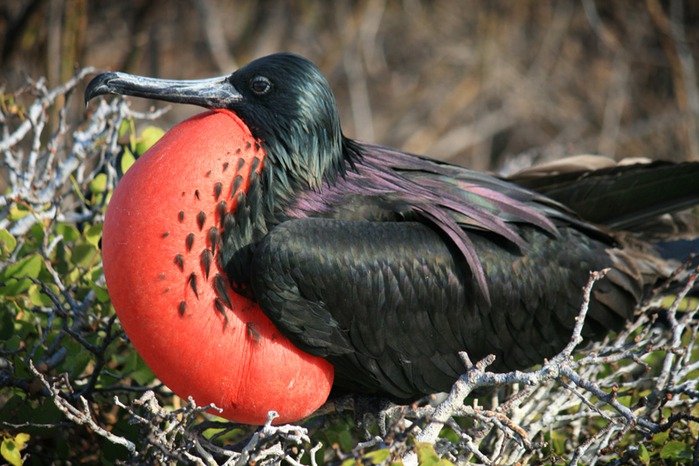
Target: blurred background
{"x":476,"y":83}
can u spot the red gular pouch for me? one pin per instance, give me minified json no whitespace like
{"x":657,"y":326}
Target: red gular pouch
{"x":161,"y":245}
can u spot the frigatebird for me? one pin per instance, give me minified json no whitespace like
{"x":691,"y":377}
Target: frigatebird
{"x":384,"y":264}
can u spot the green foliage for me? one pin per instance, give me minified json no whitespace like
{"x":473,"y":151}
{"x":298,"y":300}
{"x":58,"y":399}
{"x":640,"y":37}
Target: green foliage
{"x":17,"y":277}
{"x":137,"y":144}
{"x":56,"y":318}
{"x":127,"y":159}
{"x":11,"y":448}
{"x":7,"y":244}
{"x":676,"y":451}
{"x":375,"y":457}
{"x":149,"y":136}
{"x":449,"y":434}
{"x":427,"y":456}
{"x":643,"y":455}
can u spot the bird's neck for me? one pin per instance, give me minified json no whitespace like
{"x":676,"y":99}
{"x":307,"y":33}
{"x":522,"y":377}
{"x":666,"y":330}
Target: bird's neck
{"x":297,"y":165}
{"x":288,"y":171}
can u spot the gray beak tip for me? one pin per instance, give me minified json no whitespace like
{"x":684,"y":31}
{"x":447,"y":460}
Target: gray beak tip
{"x":99,"y":85}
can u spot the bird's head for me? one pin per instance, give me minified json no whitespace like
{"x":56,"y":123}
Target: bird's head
{"x":283,"y":98}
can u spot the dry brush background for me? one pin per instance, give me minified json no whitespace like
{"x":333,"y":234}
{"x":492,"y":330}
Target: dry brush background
{"x":474,"y":82}
{"x":490,"y":85}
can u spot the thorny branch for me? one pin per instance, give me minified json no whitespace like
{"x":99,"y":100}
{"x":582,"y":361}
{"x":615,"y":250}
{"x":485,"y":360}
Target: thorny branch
{"x":81,"y":415}
{"x":180,"y":438}
{"x":36,"y":178}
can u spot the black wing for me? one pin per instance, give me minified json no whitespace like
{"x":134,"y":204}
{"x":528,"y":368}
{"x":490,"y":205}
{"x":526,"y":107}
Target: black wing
{"x":391,"y":304}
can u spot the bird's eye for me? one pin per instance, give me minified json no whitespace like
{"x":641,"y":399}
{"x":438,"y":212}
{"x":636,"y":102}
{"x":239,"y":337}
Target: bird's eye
{"x":260,"y":85}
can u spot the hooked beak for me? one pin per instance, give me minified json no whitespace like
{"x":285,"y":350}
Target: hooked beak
{"x":210,"y":93}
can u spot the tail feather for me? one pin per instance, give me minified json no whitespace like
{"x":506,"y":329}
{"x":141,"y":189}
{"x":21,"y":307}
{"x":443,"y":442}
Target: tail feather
{"x":642,"y":202}
{"x":621,"y":196}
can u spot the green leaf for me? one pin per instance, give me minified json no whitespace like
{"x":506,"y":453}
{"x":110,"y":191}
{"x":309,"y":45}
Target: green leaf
{"x":643,"y":454}
{"x":7,"y":243}
{"x":344,"y":438}
{"x":13,"y":342}
{"x":17,"y":212}
{"x":127,"y":159}
{"x":678,"y":451}
{"x":95,"y":273}
{"x":78,"y":361}
{"x":37,"y":232}
{"x":15,"y":277}
{"x":10,"y":452}
{"x":137,"y":369}
{"x":149,"y":136}
{"x":94,"y":233}
{"x":11,"y":448}
{"x":18,"y":409}
{"x":126,"y":125}
{"x":694,"y":426}
{"x":98,"y":184}
{"x":660,"y":438}
{"x":100,"y":292}
{"x":68,"y":232}
{"x":449,"y":434}
{"x":426,"y":456}
{"x":558,"y":442}
{"x":29,"y":266}
{"x":21,"y":439}
{"x":378,"y":456}
{"x":77,"y":189}
{"x":84,"y":254}
{"x":37,"y":297}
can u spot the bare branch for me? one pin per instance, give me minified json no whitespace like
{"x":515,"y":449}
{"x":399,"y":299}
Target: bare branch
{"x":81,"y":415}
